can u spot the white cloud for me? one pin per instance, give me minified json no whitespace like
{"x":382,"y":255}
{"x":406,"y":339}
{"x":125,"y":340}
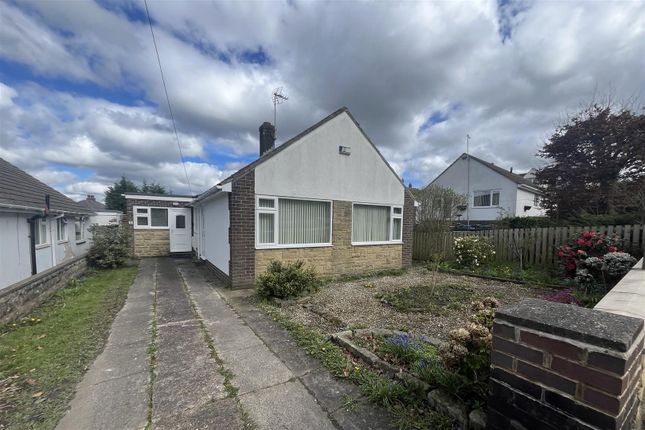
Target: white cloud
{"x":393,"y":65}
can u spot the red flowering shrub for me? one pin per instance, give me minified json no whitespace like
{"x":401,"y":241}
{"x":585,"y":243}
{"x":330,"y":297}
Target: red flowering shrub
{"x":586,"y":244}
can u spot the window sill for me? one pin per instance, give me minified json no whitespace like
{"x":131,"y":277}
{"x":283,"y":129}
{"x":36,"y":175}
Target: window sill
{"x":393,"y":242}
{"x":43,"y":246}
{"x":307,"y":245}
{"x":150,"y":228}
{"x":60,"y":242}
{"x":80,"y":242}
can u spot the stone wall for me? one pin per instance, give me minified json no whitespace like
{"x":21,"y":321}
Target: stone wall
{"x":557,"y":366}
{"x":151,"y":243}
{"x":242,"y":231}
{"x":340,"y":258}
{"x":21,"y":297}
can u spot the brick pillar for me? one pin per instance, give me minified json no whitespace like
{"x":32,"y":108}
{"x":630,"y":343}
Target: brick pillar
{"x":242,"y":231}
{"x":409,"y":216}
{"x":557,"y":366}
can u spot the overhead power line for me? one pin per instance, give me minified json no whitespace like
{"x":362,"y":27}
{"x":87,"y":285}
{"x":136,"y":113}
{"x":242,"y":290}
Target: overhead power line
{"x":165,"y":89}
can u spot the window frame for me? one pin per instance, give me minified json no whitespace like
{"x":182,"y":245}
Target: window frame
{"x":81,"y":223}
{"x":390,"y":240}
{"x":275,"y":210}
{"x":490,"y":194}
{"x":62,"y":221}
{"x":148,"y":216}
{"x":38,"y":236}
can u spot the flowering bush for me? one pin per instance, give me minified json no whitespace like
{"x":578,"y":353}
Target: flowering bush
{"x":473,"y":251}
{"x":583,"y":246}
{"x":617,"y":264}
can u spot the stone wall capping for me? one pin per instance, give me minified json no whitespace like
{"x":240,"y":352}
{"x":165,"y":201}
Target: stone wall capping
{"x":603,"y":329}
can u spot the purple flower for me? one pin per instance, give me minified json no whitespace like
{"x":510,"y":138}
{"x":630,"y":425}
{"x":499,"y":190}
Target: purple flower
{"x":563,"y":296}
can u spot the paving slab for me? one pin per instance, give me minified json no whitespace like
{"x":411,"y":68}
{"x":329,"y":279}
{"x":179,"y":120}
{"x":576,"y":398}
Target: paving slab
{"x":330,"y":392}
{"x":286,"y":406}
{"x":219,"y":414}
{"x":113,"y":393}
{"x":363,"y":415}
{"x":255,"y":367}
{"x":120,"y":403}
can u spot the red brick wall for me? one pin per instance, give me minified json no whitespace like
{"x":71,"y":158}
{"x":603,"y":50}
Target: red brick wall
{"x":409,"y":216}
{"x":559,"y":366}
{"x":242,"y":231}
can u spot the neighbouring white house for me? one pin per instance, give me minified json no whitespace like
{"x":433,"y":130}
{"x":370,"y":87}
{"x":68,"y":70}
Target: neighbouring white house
{"x":493,"y":192}
{"x":101,"y":214}
{"x":39,"y":226}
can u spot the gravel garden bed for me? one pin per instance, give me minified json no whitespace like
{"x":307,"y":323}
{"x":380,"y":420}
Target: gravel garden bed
{"x":406,"y":302}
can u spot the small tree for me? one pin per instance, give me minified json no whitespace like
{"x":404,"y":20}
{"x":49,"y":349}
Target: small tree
{"x":153,"y":188}
{"x":438,"y":207}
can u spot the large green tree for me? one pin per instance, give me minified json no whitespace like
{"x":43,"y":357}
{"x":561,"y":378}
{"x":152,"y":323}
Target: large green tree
{"x":596,"y":163}
{"x":114,"y":199}
{"x":153,"y":188}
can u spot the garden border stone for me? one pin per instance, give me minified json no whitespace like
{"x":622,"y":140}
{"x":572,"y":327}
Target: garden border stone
{"x":438,"y":399}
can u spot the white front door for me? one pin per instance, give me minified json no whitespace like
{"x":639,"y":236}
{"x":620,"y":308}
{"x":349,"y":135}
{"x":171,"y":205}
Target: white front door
{"x":180,"y":240}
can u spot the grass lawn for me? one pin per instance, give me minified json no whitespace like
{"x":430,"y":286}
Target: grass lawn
{"x":440,"y":300}
{"x":532,"y":275}
{"x":45,"y":354}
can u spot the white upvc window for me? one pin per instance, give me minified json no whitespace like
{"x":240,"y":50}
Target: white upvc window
{"x":79,"y":229}
{"x":486,"y":198}
{"x":376,"y":224}
{"x":292,"y":223}
{"x":41,"y":236}
{"x":150,"y":217}
{"x":61,"y":229}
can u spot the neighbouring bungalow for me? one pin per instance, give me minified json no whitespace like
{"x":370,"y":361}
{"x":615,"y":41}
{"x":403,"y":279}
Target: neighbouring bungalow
{"x":326,"y":196}
{"x":40,"y":227}
{"x":101,"y":214}
{"x":495,"y":192}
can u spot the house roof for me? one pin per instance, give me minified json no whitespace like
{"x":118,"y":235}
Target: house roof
{"x":520,"y":180}
{"x":95,"y":206}
{"x":246,"y":169}
{"x":22,"y":192}
{"x":181,"y":196}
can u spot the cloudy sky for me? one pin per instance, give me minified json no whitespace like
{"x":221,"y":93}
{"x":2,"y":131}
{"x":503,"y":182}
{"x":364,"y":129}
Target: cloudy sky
{"x":81,"y":98}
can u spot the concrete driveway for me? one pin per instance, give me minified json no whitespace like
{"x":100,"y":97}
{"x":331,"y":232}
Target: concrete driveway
{"x":185,"y":353}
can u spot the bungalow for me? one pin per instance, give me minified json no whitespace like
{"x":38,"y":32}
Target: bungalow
{"x":102,"y":215}
{"x":494,"y":191}
{"x":326,"y":196}
{"x":39,"y":227}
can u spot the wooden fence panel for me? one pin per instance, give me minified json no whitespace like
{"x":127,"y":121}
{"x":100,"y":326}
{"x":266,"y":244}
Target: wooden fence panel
{"x":537,"y":245}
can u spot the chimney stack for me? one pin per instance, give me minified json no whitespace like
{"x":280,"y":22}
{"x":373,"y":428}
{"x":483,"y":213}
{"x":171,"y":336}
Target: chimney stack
{"x":267,"y":137}
{"x":91,"y":197}
{"x":511,"y":169}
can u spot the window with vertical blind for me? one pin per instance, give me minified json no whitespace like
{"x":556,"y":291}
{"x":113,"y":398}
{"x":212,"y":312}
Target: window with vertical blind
{"x":285,"y":222}
{"x":376,"y":224}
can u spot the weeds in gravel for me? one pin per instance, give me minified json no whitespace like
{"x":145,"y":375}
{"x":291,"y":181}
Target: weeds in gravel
{"x":407,"y":405}
{"x":439,"y":300}
{"x":358,"y":276}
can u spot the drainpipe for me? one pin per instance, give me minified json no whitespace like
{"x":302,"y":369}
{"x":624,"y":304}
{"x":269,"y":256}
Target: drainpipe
{"x":32,"y":242}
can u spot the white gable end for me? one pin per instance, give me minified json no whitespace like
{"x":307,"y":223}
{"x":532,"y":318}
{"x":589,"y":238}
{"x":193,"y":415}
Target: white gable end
{"x":312,"y":167}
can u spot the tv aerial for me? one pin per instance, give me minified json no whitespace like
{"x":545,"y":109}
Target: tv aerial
{"x":278,"y":98}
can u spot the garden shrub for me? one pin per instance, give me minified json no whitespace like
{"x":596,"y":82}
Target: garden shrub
{"x":285,"y":280}
{"x":473,"y":251}
{"x":584,"y":245}
{"x":467,"y":353}
{"x":563,"y":296}
{"x":594,"y":262}
{"x":110,"y":246}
